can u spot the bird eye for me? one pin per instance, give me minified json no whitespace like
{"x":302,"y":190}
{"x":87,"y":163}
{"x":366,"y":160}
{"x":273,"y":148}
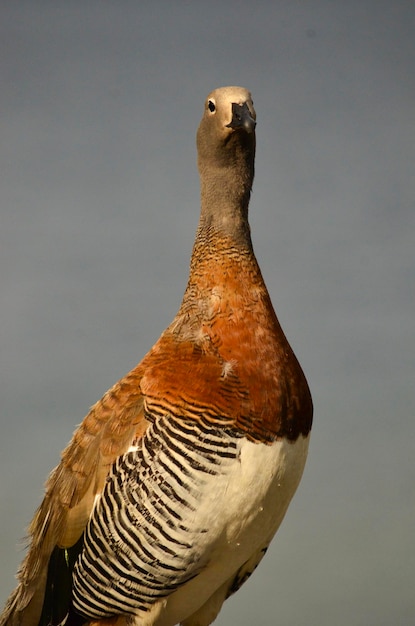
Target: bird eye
{"x":211,"y":106}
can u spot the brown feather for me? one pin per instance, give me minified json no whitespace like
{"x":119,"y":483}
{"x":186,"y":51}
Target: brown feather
{"x":107,"y":431}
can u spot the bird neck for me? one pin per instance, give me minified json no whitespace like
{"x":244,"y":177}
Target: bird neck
{"x":225,"y":194}
{"x":223,"y":245}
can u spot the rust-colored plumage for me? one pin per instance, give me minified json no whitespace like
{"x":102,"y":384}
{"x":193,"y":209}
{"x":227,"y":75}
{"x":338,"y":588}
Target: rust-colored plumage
{"x":223,"y":362}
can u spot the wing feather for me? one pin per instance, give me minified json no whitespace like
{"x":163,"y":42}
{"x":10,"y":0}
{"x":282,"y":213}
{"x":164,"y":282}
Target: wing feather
{"x":107,"y":431}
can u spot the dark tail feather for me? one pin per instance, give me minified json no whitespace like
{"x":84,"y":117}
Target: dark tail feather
{"x":57,"y":609}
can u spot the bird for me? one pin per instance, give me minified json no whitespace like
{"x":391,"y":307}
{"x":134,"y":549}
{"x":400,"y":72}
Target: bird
{"x":171,"y":489}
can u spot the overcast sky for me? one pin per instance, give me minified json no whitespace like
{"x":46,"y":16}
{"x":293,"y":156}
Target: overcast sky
{"x":99,"y":202}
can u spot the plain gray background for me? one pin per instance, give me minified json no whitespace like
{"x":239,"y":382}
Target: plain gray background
{"x":99,"y":105}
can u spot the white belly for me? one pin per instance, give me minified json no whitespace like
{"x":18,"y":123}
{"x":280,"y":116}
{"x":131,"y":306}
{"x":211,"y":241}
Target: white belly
{"x":186,"y":511}
{"x":243,"y":511}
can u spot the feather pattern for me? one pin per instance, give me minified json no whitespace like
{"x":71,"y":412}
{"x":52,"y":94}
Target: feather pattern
{"x":156,"y":489}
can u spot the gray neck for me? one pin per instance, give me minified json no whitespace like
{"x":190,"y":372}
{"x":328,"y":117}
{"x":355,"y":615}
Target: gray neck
{"x":225,"y":194}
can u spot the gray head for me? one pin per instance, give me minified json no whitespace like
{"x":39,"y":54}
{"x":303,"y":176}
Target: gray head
{"x":227,"y":130}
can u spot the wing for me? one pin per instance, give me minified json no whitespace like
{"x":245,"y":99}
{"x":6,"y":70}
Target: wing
{"x":111,"y":426}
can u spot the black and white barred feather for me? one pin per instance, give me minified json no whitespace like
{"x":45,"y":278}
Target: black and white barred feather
{"x":145,"y":537}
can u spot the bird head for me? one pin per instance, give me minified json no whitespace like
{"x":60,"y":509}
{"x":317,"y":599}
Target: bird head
{"x":227,"y":126}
